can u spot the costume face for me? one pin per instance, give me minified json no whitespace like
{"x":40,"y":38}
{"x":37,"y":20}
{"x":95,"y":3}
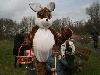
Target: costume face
{"x":43,"y":19}
{"x":43,"y":23}
{"x":44,"y":13}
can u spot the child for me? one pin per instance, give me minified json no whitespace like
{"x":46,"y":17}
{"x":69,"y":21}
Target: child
{"x":50,"y":64}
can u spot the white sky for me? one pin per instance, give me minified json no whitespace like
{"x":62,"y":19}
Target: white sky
{"x":17,"y":9}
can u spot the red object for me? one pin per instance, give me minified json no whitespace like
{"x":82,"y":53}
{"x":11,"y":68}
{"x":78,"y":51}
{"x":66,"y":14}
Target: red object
{"x":30,"y":53}
{"x":27,"y":59}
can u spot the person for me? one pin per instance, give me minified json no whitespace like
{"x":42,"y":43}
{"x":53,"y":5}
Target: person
{"x":67,"y":61}
{"x":50,"y":63}
{"x":95,"y":38}
{"x":18,"y":40}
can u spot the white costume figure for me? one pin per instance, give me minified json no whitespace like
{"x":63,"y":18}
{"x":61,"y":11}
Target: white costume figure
{"x":43,"y":39}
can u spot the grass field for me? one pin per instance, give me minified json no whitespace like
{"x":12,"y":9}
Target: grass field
{"x":7,"y":60}
{"x":92,"y":66}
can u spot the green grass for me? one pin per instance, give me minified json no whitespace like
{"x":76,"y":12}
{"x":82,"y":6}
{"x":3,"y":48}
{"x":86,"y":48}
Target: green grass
{"x":7,"y":60}
{"x":92,"y":66}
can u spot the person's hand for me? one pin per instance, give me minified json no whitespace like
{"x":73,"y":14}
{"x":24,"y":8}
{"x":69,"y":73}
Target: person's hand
{"x":53,"y":69}
{"x":59,"y":57}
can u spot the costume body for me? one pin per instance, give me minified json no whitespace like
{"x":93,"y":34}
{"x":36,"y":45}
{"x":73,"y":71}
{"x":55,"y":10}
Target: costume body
{"x":42,"y":41}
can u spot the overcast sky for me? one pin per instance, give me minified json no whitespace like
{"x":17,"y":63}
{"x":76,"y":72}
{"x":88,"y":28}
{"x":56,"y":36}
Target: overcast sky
{"x":16,"y":9}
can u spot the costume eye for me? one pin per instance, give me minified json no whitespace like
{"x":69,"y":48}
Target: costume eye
{"x":46,"y":19}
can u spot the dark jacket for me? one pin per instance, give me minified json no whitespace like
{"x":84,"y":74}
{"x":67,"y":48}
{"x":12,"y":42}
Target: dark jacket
{"x":50,"y":64}
{"x":18,"y":40}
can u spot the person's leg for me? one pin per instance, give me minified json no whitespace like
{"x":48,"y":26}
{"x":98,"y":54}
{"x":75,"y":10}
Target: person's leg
{"x":41,"y":68}
{"x":20,"y":65}
{"x":15,"y":62}
{"x":97,"y":44}
{"x":70,"y":65}
{"x":69,"y":71}
{"x":31,"y":69}
{"x":21,"y":54}
{"x":94,"y":44}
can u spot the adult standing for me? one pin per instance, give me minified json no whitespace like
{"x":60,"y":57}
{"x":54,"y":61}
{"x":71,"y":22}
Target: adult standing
{"x":18,"y":40}
{"x":95,"y":37}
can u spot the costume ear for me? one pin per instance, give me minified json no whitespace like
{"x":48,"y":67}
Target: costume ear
{"x":35,"y":7}
{"x":51,"y":6}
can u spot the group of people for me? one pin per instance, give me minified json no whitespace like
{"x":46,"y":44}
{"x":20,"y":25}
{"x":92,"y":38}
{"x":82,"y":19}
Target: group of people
{"x":60,"y":62}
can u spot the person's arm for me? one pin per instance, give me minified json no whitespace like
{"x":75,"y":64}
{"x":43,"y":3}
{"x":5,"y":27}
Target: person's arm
{"x":48,"y":65}
{"x":57,"y":36}
{"x":29,"y":38}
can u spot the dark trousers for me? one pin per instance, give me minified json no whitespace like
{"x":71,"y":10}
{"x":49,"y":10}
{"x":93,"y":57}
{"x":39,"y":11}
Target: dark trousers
{"x":40,"y":68}
{"x":31,"y":70}
{"x":69,"y":71}
{"x":95,"y":44}
{"x":70,"y":61}
{"x":15,"y":61}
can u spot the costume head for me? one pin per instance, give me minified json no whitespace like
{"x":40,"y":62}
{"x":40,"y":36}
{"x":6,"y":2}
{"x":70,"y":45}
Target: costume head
{"x":44,"y":16}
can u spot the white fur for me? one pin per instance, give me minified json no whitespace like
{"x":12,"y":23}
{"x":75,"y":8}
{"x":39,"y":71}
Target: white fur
{"x":42,"y":44}
{"x":42,"y":23}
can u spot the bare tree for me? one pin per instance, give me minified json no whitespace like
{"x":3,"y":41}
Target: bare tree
{"x":94,"y":12}
{"x":27,"y":23}
{"x":7,"y":28}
